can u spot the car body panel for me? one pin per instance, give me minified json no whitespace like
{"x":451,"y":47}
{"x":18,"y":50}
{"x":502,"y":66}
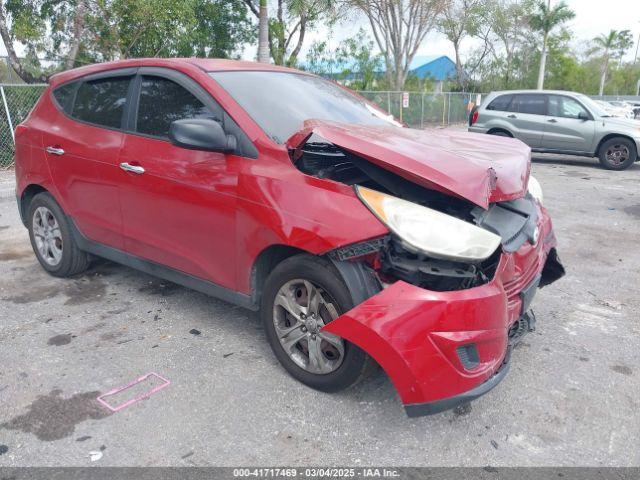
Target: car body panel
{"x":569,"y":134}
{"x":452,"y":162}
{"x":414,"y":333}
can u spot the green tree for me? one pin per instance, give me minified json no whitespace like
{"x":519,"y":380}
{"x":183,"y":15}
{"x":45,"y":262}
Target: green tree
{"x":461,"y":19}
{"x":353,"y":62}
{"x":544,"y":20}
{"x":45,"y":28}
{"x":289,"y":25}
{"x":610,"y":46}
{"x":399,"y":28}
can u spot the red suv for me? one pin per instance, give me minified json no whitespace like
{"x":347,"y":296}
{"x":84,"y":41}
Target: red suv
{"x":358,"y":240}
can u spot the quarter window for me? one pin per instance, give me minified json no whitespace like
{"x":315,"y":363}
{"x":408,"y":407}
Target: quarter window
{"x":500,"y":103}
{"x":102,"y":101}
{"x":163,"y":101}
{"x":64,"y":96}
{"x":533,"y":104}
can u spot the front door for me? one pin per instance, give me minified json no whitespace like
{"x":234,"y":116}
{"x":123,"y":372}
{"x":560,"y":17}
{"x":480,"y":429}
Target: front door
{"x":82,"y":150}
{"x":178,"y":205}
{"x":570,"y":127}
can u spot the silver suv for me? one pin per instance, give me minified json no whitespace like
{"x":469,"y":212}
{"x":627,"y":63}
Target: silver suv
{"x":559,"y":122}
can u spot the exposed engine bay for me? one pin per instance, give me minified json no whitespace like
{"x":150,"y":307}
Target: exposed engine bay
{"x":393,"y":259}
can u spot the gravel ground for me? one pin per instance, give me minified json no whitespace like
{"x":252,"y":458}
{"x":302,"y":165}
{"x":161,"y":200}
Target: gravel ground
{"x":571,"y":397}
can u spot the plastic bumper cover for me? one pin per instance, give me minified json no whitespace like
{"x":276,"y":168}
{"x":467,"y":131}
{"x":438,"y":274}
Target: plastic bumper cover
{"x":419,"y":336}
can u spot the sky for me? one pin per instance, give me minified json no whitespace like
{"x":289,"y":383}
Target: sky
{"x":592,"y":18}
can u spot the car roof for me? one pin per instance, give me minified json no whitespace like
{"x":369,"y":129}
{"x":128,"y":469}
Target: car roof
{"x":204,"y":64}
{"x":556,"y":92}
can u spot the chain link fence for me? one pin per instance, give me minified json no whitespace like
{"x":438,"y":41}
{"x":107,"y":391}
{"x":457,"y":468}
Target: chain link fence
{"x":423,"y":109}
{"x":17,"y":102}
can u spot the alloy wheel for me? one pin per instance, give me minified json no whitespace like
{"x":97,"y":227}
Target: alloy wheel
{"x":618,"y":154}
{"x":300,"y":310}
{"x":47,"y":235}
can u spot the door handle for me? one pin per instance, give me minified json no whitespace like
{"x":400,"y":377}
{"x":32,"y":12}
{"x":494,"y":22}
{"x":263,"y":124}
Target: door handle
{"x":511,"y":116}
{"x":55,"y":150}
{"x":137,"y":169}
{"x":552,"y":120}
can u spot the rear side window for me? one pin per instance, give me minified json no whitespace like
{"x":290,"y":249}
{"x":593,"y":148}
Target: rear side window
{"x":500,"y":103}
{"x":163,"y":101}
{"x":102,"y":101}
{"x":533,"y":104}
{"x":64,"y":96}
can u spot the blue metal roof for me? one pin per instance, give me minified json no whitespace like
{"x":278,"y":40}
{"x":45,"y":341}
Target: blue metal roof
{"x":437,"y":67}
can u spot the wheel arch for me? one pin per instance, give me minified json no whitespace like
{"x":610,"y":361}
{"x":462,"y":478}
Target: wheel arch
{"x":265,"y":262}
{"x":493,"y":130}
{"x":27,"y":195}
{"x":610,"y":136}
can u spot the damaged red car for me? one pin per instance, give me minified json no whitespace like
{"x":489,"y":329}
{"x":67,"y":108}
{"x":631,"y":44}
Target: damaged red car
{"x":359,"y":241}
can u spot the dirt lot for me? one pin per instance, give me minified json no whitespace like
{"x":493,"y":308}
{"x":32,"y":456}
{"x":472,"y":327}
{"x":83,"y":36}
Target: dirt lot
{"x":571,"y":397}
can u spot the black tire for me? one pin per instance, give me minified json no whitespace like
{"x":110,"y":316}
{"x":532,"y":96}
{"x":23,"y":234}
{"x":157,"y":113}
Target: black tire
{"x":500,"y":133}
{"x":73,"y":260}
{"x":356,"y":364}
{"x":618,"y":144}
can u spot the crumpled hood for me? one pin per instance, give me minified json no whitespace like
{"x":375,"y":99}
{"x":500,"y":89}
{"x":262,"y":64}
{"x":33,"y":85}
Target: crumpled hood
{"x":480,"y":168}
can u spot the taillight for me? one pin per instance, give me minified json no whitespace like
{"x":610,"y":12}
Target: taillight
{"x":474,"y":117}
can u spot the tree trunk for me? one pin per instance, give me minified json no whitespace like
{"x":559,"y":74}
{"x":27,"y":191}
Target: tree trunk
{"x":543,"y":63}
{"x":263,"y":33}
{"x":14,"y":61}
{"x":603,"y":77}
{"x":78,"y":29}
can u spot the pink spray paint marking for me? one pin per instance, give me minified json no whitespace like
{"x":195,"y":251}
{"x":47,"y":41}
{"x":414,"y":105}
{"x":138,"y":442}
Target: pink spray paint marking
{"x":142,"y":396}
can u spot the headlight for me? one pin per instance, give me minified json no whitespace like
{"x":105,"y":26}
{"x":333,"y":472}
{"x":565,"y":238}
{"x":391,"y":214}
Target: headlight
{"x":535,"y":189}
{"x":435,"y":233}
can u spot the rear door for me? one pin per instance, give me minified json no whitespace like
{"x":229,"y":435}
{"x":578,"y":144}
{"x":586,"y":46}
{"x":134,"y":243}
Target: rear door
{"x":82,"y":147}
{"x":178,"y":205}
{"x":526,"y":114}
{"x":570,"y":127}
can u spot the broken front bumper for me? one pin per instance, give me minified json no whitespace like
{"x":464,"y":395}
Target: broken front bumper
{"x":441,"y":349}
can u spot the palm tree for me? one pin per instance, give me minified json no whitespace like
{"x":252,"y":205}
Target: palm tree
{"x":263,"y":33}
{"x":605,"y":44}
{"x":544,"y":20}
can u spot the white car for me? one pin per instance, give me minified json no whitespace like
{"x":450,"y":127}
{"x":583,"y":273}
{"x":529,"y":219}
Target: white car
{"x":617,"y":109}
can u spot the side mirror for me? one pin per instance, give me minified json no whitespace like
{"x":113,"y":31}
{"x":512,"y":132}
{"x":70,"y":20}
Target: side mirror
{"x":201,"y":134}
{"x":583,"y":116}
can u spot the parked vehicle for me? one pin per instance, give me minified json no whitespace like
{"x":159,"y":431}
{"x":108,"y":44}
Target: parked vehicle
{"x":559,"y":122}
{"x":615,"y":109}
{"x":625,"y":108}
{"x":358,"y":240}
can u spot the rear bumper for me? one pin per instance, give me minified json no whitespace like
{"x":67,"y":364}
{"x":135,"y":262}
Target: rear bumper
{"x":441,"y":349}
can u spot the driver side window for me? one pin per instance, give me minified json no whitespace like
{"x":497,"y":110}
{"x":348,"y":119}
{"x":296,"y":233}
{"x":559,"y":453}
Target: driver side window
{"x":163,"y":101}
{"x":560,"y":106}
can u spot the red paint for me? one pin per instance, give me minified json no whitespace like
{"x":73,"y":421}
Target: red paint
{"x":413,"y":333}
{"x":211,"y":215}
{"x":476,"y":167}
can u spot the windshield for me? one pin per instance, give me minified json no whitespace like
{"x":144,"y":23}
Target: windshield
{"x":596,"y":109}
{"x":280,"y":101}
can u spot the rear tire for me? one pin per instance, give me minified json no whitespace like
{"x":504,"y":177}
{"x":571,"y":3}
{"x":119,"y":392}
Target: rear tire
{"x":51,"y":238}
{"x":617,"y":153}
{"x":336,"y":363}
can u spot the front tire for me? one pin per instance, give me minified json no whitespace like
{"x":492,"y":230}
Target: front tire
{"x":617,"y":153}
{"x":51,"y":238}
{"x":302,"y":294}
